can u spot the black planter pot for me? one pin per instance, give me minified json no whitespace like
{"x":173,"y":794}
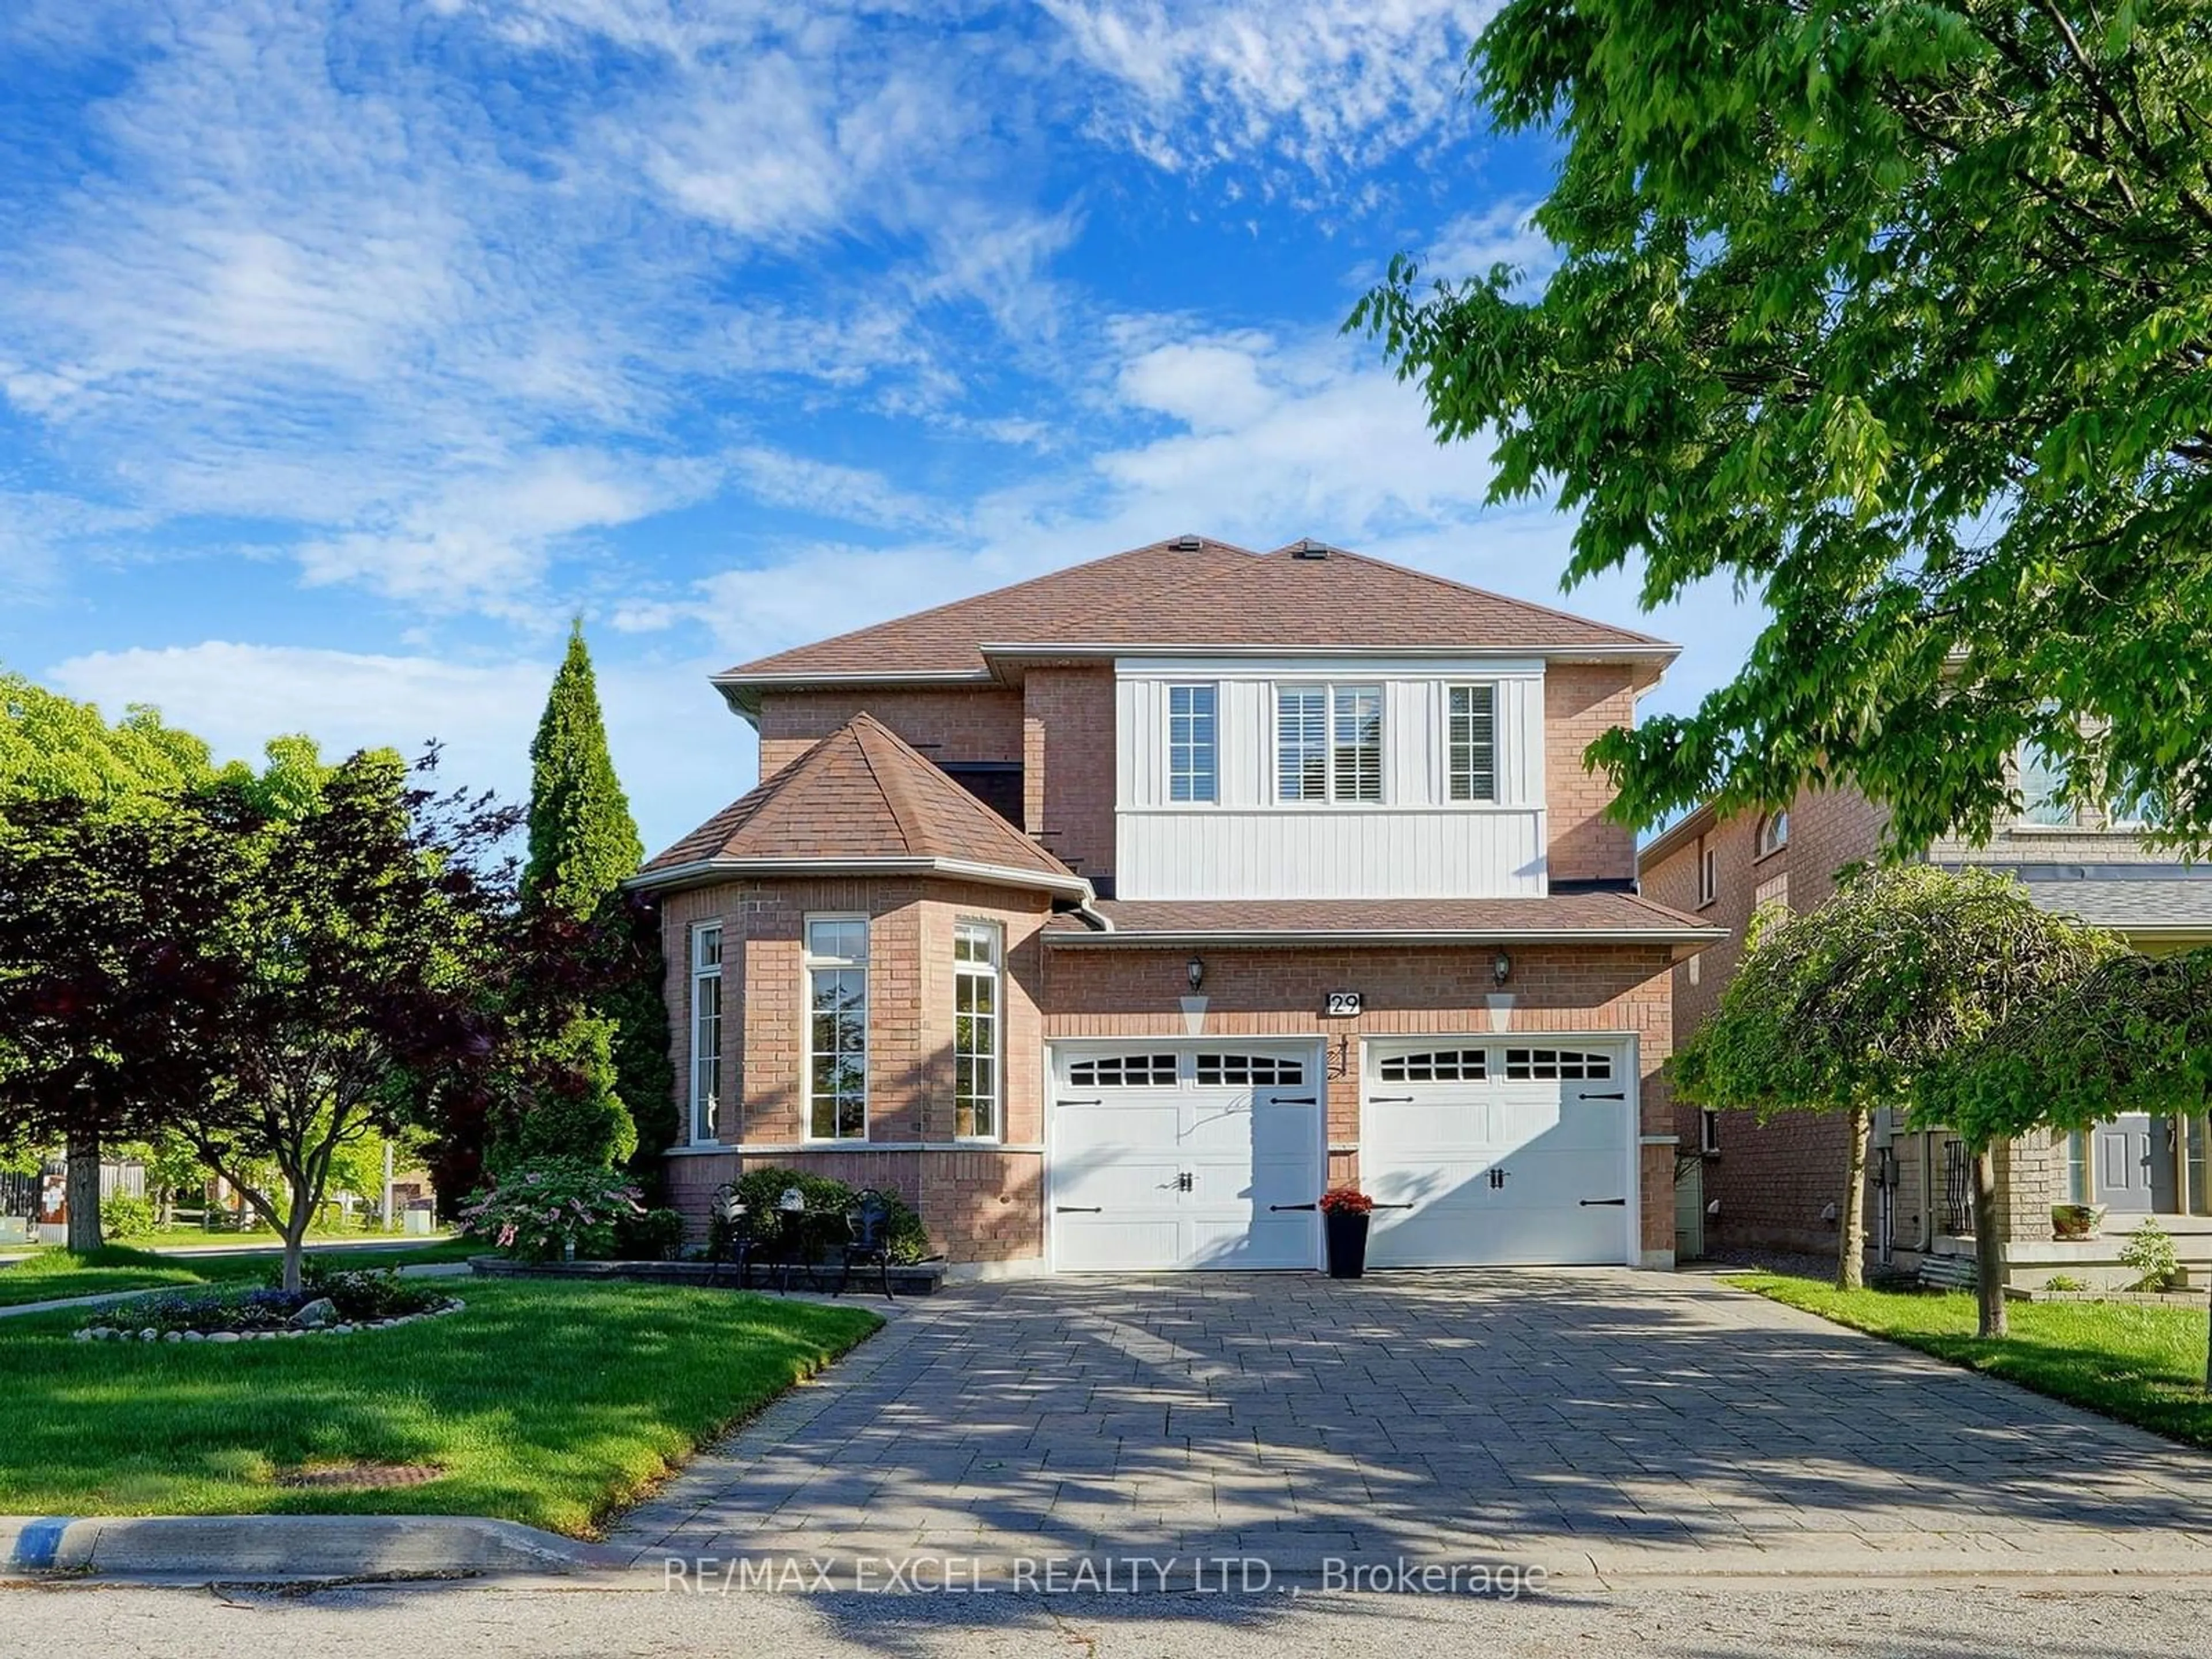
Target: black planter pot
{"x":1346,"y":1232}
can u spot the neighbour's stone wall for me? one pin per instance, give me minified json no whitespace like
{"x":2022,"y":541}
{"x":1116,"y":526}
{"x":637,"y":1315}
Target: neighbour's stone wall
{"x":1114,"y":991}
{"x":980,"y":725}
{"x":1068,"y":764}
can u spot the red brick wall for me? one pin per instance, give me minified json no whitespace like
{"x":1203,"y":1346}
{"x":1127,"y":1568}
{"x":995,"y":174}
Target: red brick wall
{"x":1774,"y":1180}
{"x":978,"y":1203}
{"x":1068,"y":764}
{"x":1581,"y":703}
{"x":1113,"y":991}
{"x":982,"y":724}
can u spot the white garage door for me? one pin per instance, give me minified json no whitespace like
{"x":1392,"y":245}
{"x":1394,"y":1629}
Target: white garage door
{"x":1502,"y":1154}
{"x":1170,"y":1157}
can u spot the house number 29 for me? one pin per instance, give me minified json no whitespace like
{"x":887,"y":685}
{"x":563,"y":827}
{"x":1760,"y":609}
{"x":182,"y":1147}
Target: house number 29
{"x":1341,"y":1005}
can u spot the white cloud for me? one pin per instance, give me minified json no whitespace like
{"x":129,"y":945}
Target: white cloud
{"x":1323,"y":87}
{"x":1267,"y":439}
{"x":680,"y":754}
{"x":1502,"y":233}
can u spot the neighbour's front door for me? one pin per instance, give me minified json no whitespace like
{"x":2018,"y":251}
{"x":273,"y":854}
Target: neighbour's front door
{"x":2122,"y":1163}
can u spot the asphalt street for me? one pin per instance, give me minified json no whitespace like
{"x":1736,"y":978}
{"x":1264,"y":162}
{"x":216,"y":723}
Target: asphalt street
{"x":1866,"y":1618}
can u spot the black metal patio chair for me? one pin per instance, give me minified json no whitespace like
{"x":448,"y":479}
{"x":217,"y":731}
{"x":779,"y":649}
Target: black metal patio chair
{"x":869,"y":1221}
{"x":729,"y":1239}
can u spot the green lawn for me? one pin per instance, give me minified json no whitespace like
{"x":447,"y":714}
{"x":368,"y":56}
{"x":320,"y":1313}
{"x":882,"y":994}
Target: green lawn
{"x":2141,"y":1364}
{"x":548,"y":1404}
{"x":51,"y":1275}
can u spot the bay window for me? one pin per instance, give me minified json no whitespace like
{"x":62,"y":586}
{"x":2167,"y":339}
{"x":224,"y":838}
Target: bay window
{"x":977,"y":1030}
{"x":706,"y":1032}
{"x":836,"y":952}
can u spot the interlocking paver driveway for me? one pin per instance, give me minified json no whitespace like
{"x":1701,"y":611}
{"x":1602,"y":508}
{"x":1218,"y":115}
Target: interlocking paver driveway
{"x":1433,"y":1415}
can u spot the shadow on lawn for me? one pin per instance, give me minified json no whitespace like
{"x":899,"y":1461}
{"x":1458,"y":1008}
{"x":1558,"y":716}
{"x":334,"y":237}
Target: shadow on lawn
{"x":546,"y":1407}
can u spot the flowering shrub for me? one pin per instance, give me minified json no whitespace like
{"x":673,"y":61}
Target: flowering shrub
{"x":1345,"y":1200}
{"x":550,"y":1206}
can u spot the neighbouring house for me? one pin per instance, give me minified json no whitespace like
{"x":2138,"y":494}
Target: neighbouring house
{"x":1110,"y":917}
{"x":1779,"y":1185}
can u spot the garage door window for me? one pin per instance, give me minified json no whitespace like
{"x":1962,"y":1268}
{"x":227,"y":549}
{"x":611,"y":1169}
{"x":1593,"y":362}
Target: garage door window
{"x":1123,"y":1071}
{"x":1555,"y":1065}
{"x":1437,"y":1066}
{"x":1255,"y":1071}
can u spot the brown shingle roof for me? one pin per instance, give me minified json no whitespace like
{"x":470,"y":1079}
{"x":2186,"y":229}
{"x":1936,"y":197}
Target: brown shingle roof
{"x":1596,"y":917}
{"x":1213,"y":596}
{"x":1343,"y":599}
{"x":943,"y":640}
{"x":861,"y":793}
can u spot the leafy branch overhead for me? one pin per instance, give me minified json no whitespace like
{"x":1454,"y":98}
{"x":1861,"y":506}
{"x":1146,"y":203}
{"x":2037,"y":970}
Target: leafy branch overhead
{"x":1899,"y":316}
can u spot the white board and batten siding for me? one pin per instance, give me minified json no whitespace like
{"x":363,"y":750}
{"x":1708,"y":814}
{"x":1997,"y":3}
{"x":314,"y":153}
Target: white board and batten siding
{"x":1416,"y":842}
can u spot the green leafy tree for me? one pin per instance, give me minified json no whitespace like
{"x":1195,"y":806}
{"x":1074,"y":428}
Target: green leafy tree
{"x":1899,"y":316}
{"x":2138,"y":1028}
{"x":361,"y":940}
{"x":52,"y":748}
{"x":1846,"y":1008}
{"x":112,"y":976}
{"x":583,"y":843}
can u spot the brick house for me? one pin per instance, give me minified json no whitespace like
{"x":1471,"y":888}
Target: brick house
{"x":1779,"y":1185}
{"x":1109,"y":917}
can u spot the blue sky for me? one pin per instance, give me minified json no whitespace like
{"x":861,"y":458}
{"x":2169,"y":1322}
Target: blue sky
{"x":347,"y":350}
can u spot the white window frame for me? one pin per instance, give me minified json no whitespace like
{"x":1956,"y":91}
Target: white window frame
{"x":1709,"y":873}
{"x":1331,"y":692}
{"x":1184,"y":745}
{"x":814,"y":963}
{"x":2052,"y":811}
{"x":1774,"y":833}
{"x":706,"y":964}
{"x":1453,"y":743}
{"x":969,"y":970}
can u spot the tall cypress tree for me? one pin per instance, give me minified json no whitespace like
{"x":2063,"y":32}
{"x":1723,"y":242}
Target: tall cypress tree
{"x":583,"y":842}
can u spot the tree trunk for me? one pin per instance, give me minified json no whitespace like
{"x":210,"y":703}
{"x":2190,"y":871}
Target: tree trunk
{"x":1850,"y":1243}
{"x":295,"y":1233}
{"x":1988,"y":1243}
{"x":81,"y":1193}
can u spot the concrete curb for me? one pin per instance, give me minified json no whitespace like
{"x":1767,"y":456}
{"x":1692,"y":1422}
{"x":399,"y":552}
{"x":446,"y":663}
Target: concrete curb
{"x":261,"y":1547}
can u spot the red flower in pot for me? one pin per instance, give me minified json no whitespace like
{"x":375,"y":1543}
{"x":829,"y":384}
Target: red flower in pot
{"x":1344,"y":1211}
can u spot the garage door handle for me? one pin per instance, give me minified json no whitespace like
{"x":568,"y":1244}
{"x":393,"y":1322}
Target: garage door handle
{"x":1080,"y":1102}
{"x":1390,"y":1100}
{"x":1077,"y":1209}
{"x":1294,"y":1207}
{"x":1295,"y":1100}
{"x":1616,"y":1094}
{"x":1605,"y":1204}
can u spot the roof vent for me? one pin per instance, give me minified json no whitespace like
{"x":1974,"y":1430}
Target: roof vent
{"x":1310,"y":549}
{"x":1187,"y":545}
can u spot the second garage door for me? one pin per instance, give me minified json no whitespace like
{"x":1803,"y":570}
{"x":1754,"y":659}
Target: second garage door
{"x":1502,"y":1154}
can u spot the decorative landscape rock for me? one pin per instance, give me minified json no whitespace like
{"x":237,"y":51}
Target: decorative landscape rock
{"x":321,"y":1316}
